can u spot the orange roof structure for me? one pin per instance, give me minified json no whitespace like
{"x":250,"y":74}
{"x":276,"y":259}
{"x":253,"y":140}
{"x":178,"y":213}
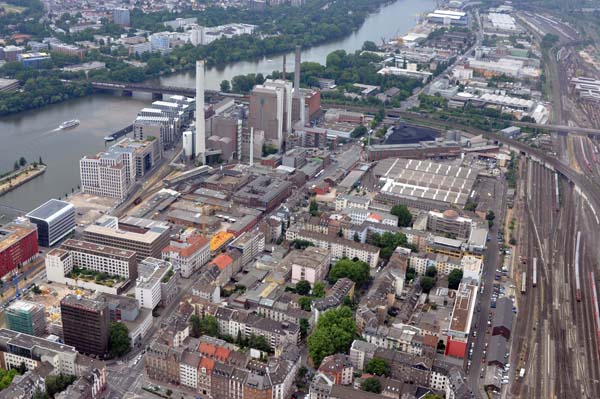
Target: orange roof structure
{"x":222,"y":354}
{"x":222,"y":261}
{"x":191,"y":245}
{"x":220,"y":239}
{"x":207,"y":349}
{"x":206,"y":363}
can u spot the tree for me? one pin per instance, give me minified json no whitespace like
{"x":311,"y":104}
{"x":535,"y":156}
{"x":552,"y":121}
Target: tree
{"x":169,"y":392}
{"x":119,"y":342}
{"x":225,"y":86}
{"x":313,"y":208}
{"x":305,"y":303}
{"x":371,"y":384}
{"x":433,"y":396}
{"x":301,"y":244}
{"x":16,"y":165}
{"x":411,"y":273}
{"x":441,"y":346}
{"x":403,"y":214}
{"x":369,"y":46}
{"x":319,"y":289}
{"x":426,"y":283}
{"x":304,"y":326}
{"x":303,"y":287}
{"x":22,"y":161}
{"x":378,"y":367}
{"x":356,"y":271}
{"x":209,"y":326}
{"x":58,"y":383}
{"x":454,"y":278}
{"x":490,"y":215}
{"x":195,"y":328}
{"x":356,"y":237}
{"x":431,"y":271}
{"x":36,"y":290}
{"x":334,"y":333}
{"x":359,"y":131}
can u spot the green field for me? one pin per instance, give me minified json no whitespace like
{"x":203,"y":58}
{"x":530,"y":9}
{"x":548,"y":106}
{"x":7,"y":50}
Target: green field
{"x":12,"y":8}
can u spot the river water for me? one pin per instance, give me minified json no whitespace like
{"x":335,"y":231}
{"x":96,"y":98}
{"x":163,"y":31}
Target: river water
{"x":32,"y":134}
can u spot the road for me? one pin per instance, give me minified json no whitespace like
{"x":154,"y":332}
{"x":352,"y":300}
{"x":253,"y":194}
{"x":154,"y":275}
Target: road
{"x":492,"y":259}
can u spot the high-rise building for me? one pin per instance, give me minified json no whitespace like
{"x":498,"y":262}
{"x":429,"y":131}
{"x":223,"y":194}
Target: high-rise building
{"x":121,"y":16}
{"x":54,"y":219}
{"x":144,"y":236}
{"x":18,"y":245}
{"x":26,"y":317}
{"x":85,"y":324}
{"x":108,"y":174}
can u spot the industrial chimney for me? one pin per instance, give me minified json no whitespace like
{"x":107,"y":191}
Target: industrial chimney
{"x":200,"y":140}
{"x":297,"y":70}
{"x":251,"y":146}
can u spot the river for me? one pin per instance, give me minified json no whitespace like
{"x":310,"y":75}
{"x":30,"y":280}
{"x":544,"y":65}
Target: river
{"x":31,"y":134}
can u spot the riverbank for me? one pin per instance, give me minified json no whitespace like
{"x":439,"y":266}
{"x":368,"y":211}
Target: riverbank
{"x":20,"y":177}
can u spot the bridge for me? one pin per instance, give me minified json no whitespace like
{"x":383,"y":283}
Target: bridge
{"x":156,"y":90}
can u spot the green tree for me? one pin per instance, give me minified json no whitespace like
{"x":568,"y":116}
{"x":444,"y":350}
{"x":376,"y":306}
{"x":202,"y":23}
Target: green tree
{"x":16,"y":165}
{"x":441,"y":346}
{"x":357,"y":271}
{"x":333,"y":333}
{"x":431,"y":271}
{"x":454,"y":278}
{"x":426,"y":283}
{"x":359,"y":131}
{"x":119,"y":342}
{"x":301,"y":244}
{"x":209,"y":326}
{"x":356,"y":237}
{"x":369,"y":46}
{"x":303,"y":287}
{"x":225,"y":87}
{"x":169,"y":392}
{"x":313,"y":208}
{"x":58,"y":383}
{"x":403,"y":214}
{"x":22,"y":161}
{"x":195,"y":326}
{"x":305,"y":303}
{"x":371,"y":384}
{"x":304,"y":326}
{"x":433,"y":396}
{"x":378,"y":367}
{"x":318,"y":290}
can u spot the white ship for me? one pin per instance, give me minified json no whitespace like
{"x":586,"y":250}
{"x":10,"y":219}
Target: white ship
{"x":69,"y":124}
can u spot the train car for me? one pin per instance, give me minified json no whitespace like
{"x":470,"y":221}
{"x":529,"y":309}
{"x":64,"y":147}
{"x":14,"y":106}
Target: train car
{"x":577,"y":280}
{"x":524,"y":283}
{"x":534,"y":273}
{"x":596,"y":308}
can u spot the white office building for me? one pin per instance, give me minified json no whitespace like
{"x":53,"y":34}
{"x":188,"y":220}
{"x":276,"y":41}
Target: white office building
{"x":108,"y":174}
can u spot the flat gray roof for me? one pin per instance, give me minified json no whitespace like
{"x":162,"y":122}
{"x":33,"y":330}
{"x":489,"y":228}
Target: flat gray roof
{"x":50,"y":210}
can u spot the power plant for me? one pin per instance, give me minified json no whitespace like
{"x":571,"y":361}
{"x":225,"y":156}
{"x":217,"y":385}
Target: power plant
{"x":200,"y":136}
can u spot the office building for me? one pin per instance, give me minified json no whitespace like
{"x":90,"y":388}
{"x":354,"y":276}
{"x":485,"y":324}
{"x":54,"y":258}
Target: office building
{"x":461,"y":320}
{"x":110,"y":173}
{"x":188,"y":255}
{"x":155,"y":283}
{"x":121,"y":16}
{"x":26,"y":317}
{"x":102,"y":258}
{"x":85,"y":324}
{"x":144,"y":236}
{"x":54,"y":219}
{"x":34,"y":59}
{"x":449,"y":222}
{"x":18,"y":246}
{"x":11,"y":53}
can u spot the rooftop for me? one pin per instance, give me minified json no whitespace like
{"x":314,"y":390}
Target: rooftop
{"x":50,"y":210}
{"x":13,"y":232}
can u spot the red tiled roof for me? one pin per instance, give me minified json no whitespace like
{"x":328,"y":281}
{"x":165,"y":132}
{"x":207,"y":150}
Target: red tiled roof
{"x":206,"y":363}
{"x":222,"y":354}
{"x":194,"y":242}
{"x":222,"y":261}
{"x":207,"y":349}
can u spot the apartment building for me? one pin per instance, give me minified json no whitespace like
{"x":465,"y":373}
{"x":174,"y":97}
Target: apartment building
{"x":156,"y":283}
{"x":339,"y":247}
{"x":449,"y":222}
{"x":310,"y":264}
{"x":108,"y":174}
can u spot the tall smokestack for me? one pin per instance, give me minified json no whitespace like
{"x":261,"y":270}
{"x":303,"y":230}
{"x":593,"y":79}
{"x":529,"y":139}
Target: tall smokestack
{"x":297,"y":70}
{"x":284,"y":62}
{"x":251,"y":146}
{"x":200,"y":142}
